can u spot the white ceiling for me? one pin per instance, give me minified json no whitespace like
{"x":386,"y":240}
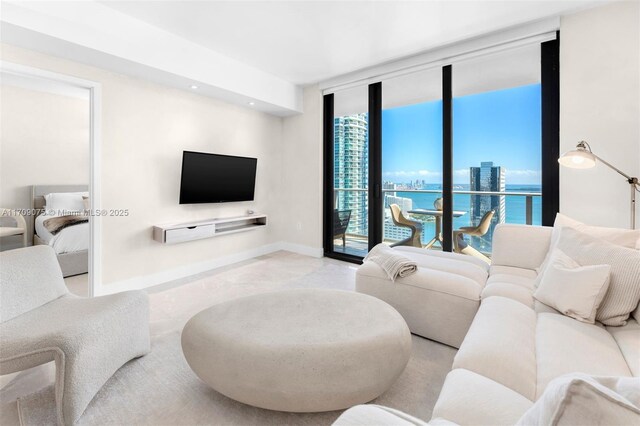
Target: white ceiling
{"x":261,"y":53}
{"x":309,"y":41}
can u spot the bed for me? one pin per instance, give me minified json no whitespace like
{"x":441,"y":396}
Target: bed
{"x":70,"y":244}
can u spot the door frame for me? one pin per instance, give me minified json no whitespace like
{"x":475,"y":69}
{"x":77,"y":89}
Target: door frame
{"x":95,"y":142}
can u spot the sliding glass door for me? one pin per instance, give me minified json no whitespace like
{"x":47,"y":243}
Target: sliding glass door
{"x":350,"y":132}
{"x":496,"y":144}
{"x":415,"y":157}
{"x":412,"y":157}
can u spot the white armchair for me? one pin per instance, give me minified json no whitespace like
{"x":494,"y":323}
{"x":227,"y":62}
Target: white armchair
{"x":88,"y":338}
{"x":19,"y":229}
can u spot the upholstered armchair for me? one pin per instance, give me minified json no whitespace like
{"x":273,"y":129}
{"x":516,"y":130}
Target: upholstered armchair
{"x":88,"y":338}
{"x":19,"y":229}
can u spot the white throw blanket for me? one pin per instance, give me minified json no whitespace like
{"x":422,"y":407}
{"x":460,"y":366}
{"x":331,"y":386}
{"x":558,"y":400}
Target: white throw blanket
{"x":394,"y":264}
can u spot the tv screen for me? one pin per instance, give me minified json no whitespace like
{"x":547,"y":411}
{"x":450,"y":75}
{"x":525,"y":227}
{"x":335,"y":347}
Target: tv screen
{"x":214,"y":178}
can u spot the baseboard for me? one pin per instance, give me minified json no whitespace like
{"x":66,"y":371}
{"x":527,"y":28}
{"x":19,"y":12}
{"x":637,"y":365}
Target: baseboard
{"x":302,"y":249}
{"x":146,"y":281}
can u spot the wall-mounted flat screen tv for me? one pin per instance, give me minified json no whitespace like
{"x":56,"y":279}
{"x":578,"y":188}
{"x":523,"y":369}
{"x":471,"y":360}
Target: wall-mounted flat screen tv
{"x":214,"y":178}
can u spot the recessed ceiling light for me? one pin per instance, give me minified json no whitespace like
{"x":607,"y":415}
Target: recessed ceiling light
{"x":252,"y":103}
{"x":194,"y":87}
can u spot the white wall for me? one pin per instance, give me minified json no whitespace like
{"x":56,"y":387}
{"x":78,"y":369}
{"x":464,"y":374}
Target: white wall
{"x":44,"y":139}
{"x":145,"y":129}
{"x":302,"y":173}
{"x":146,"y":126}
{"x":600,"y":103}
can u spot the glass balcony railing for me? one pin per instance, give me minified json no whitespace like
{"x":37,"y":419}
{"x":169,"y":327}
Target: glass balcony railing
{"x":521,"y":207}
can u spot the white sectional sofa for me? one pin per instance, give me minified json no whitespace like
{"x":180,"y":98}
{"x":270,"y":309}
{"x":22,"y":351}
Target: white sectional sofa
{"x":444,"y":283}
{"x":515,"y":345}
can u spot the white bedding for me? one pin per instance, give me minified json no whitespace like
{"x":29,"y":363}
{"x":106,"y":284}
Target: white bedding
{"x":73,"y":238}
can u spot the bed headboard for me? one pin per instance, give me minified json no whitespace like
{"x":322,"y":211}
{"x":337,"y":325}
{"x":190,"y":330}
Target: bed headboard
{"x":39,"y":191}
{"x":37,"y":200}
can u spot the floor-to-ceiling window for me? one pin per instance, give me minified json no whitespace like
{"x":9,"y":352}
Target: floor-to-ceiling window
{"x":497,"y":149}
{"x":412,"y":154}
{"x":350,"y":171}
{"x":455,"y":149}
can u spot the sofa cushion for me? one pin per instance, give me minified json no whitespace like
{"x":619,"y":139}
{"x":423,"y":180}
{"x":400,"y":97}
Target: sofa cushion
{"x":512,"y":270}
{"x":371,"y":414}
{"x":445,"y":255}
{"x":468,"y":398}
{"x":518,"y":280}
{"x":579,"y":399}
{"x":455,"y":264}
{"x":564,"y":345}
{"x":624,"y":287}
{"x":500,"y":345}
{"x":628,"y":339}
{"x":540,"y":308}
{"x":522,"y":246}
{"x":510,"y":291}
{"x":426,"y":300}
{"x":429,"y":279}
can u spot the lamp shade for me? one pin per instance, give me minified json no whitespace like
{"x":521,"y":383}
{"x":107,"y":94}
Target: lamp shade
{"x":578,"y":158}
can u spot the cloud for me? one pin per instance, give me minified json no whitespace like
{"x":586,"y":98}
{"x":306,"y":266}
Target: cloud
{"x":523,"y":173}
{"x":412,"y":173}
{"x":428,"y":173}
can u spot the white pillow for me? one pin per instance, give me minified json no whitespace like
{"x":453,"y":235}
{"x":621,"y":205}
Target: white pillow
{"x":619,"y":236}
{"x":574,"y":290}
{"x":623,"y":237}
{"x":59,"y":202}
{"x":578,"y":399}
{"x":624,"y":287}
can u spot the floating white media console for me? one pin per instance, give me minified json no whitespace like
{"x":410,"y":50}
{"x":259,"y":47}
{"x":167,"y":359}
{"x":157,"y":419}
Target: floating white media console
{"x":182,"y":232}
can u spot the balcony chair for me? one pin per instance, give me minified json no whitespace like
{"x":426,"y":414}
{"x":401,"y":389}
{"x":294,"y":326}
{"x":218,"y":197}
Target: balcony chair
{"x":19,"y":229}
{"x":401,"y":221}
{"x":474,"y":231}
{"x":87,"y":338}
{"x":341,"y":220}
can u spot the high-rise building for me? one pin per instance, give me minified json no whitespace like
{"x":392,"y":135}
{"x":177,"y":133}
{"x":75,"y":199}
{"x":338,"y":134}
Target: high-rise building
{"x":386,"y":185}
{"x":351,"y":168}
{"x":404,"y":203}
{"x":485,"y":178}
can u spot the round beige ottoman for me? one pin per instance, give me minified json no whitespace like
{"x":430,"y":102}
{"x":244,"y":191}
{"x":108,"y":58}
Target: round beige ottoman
{"x":304,"y":350}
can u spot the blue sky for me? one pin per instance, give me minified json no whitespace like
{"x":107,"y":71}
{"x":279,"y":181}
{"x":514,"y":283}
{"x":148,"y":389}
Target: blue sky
{"x":501,"y":126}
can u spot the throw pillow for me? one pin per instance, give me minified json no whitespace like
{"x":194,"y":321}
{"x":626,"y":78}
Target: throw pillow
{"x":574,"y":290}
{"x":59,"y":203}
{"x":624,"y":286}
{"x":578,"y":399}
{"x":623,"y":237}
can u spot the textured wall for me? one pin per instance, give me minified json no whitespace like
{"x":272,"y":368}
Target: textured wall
{"x":600,"y":102}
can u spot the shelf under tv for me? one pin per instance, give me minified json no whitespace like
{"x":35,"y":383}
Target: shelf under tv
{"x":189,"y":231}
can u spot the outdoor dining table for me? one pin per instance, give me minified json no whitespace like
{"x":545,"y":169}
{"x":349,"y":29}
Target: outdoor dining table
{"x":438,"y":216}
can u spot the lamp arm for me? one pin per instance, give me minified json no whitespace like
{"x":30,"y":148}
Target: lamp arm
{"x":631,"y":180}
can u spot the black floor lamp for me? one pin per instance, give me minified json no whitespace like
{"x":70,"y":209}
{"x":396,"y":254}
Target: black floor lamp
{"x":583,"y":158}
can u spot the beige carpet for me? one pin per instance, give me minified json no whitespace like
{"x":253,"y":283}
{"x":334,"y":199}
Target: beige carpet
{"x":160,"y":389}
{"x":78,"y":284}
